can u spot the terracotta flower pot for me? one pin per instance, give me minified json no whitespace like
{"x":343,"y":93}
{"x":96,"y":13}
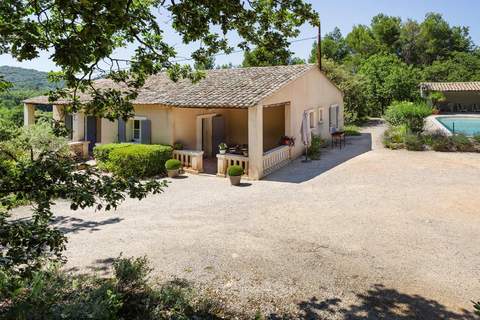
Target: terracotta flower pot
{"x":173,"y":173}
{"x":235,"y":180}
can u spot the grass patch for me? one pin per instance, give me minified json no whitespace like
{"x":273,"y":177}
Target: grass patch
{"x":352,"y":130}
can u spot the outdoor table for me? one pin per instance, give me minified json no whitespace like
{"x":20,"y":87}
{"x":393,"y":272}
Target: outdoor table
{"x":337,"y":138}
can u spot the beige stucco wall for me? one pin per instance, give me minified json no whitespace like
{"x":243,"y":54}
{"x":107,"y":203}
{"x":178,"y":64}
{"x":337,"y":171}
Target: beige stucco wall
{"x":273,"y":126}
{"x":309,"y":92}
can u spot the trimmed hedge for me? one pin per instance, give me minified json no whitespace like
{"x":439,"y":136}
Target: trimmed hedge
{"x":133,"y":160}
{"x":408,"y":113}
{"x":235,"y":171}
{"x":173,"y":164}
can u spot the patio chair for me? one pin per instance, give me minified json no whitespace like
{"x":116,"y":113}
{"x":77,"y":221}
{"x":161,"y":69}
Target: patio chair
{"x":463,"y":108}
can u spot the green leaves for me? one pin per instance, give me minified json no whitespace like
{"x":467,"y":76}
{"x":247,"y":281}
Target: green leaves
{"x":84,"y":35}
{"x":36,"y":166}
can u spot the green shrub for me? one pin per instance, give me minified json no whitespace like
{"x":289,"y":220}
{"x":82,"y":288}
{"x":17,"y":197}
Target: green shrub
{"x":408,"y":113}
{"x":394,"y":137}
{"x":352,"y":130}
{"x":128,"y":294}
{"x":173,"y":164}
{"x":137,"y":160}
{"x":414,"y":142}
{"x":462,"y":143}
{"x":476,"y":138}
{"x":235,"y":171}
{"x":442,"y":143}
{"x":102,"y":152}
{"x":315,"y":147}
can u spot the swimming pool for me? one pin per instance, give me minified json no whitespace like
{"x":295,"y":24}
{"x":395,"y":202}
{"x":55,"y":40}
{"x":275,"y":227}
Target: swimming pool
{"x":469,"y":126}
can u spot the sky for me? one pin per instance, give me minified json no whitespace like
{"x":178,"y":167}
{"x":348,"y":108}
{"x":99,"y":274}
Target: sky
{"x":341,"y":13}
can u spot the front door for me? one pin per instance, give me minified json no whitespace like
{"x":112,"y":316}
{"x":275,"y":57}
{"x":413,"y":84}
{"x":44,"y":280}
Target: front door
{"x":218,"y":132}
{"x":91,"y":132}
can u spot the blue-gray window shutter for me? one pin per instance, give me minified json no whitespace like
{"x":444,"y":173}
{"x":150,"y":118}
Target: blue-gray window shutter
{"x":330,"y":118}
{"x":69,"y":124}
{"x":337,"y":115}
{"x":145,"y":130}
{"x":122,"y":130}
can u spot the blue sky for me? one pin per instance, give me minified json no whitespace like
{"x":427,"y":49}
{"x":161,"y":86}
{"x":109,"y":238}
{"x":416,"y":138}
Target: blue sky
{"x":341,"y":13}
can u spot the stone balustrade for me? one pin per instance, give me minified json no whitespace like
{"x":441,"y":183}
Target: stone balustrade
{"x":192,"y":160}
{"x":276,"y":158}
{"x":224,"y":161}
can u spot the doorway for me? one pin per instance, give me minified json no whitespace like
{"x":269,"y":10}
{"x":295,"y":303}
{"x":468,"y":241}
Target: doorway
{"x":91,"y":132}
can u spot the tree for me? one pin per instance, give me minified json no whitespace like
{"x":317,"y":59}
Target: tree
{"x":36,"y":167}
{"x":334,"y":47}
{"x":386,"y":30}
{"x":207,"y":64}
{"x":460,"y":66}
{"x":83,"y":36}
{"x":388,"y":79}
{"x":361,"y":41}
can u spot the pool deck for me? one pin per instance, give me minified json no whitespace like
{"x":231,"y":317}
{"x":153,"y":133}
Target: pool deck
{"x":432,"y":125}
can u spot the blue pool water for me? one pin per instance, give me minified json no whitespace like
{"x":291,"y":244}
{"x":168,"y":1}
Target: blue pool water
{"x":467,"y":126}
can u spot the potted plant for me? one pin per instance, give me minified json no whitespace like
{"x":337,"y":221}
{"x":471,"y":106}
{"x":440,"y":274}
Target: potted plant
{"x":173,"y":167}
{"x":235,"y":174}
{"x":178,"y":146}
{"x":222,"y":147}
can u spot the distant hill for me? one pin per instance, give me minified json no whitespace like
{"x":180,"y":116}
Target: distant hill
{"x":26,"y":79}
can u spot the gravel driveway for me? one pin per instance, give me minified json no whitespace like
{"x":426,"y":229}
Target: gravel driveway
{"x":386,"y":234}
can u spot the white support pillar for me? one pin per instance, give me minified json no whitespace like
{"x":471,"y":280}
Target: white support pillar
{"x":58,"y":112}
{"x":28,"y":114}
{"x":255,"y":142}
{"x":78,"y":129}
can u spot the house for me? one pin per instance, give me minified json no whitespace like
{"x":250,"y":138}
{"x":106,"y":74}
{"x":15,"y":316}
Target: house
{"x":459,"y":96}
{"x":250,"y":109}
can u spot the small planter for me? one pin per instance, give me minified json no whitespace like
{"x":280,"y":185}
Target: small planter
{"x":235,"y":180}
{"x":222,"y":151}
{"x":173,"y":173}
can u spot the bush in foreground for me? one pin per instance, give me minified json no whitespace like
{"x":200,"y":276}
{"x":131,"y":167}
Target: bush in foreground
{"x":128,"y":294}
{"x":315,"y":147}
{"x":410,"y":114}
{"x":133,"y":160}
{"x":414,"y":142}
{"x":394,"y":137}
{"x":235,"y":171}
{"x":173,"y":164}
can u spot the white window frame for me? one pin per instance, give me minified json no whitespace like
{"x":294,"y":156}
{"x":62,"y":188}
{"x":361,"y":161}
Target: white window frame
{"x":334,"y":123}
{"x":321,"y":115}
{"x":311,"y":119}
{"x":139,"y":119}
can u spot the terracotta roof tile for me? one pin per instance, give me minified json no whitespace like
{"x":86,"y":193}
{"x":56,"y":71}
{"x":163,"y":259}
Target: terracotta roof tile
{"x":451,"y":86}
{"x":223,"y":88}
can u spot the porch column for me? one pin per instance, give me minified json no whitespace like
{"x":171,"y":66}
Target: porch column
{"x":58,"y":112}
{"x":255,"y":142}
{"x":78,"y":128}
{"x":28,"y":114}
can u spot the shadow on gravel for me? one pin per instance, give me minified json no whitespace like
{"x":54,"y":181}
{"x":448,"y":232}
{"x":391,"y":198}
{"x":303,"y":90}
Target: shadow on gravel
{"x":298,"y":172}
{"x":68,"y":224}
{"x":378,"y":303}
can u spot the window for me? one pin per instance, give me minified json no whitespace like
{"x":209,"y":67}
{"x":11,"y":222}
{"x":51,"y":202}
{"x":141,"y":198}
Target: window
{"x":320,"y":115}
{"x":136,"y":131}
{"x":311,"y":118}
{"x":334,"y":113}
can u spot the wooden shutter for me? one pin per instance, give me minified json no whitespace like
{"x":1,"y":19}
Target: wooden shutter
{"x":145,"y":131}
{"x":69,"y":124}
{"x":337,"y":116}
{"x":122,"y":130}
{"x":330,"y":117}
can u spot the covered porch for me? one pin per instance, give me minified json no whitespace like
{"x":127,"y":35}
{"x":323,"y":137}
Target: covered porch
{"x":254,"y":139}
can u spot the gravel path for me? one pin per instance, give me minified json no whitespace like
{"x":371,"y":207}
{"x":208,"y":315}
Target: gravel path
{"x":384,"y":235}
